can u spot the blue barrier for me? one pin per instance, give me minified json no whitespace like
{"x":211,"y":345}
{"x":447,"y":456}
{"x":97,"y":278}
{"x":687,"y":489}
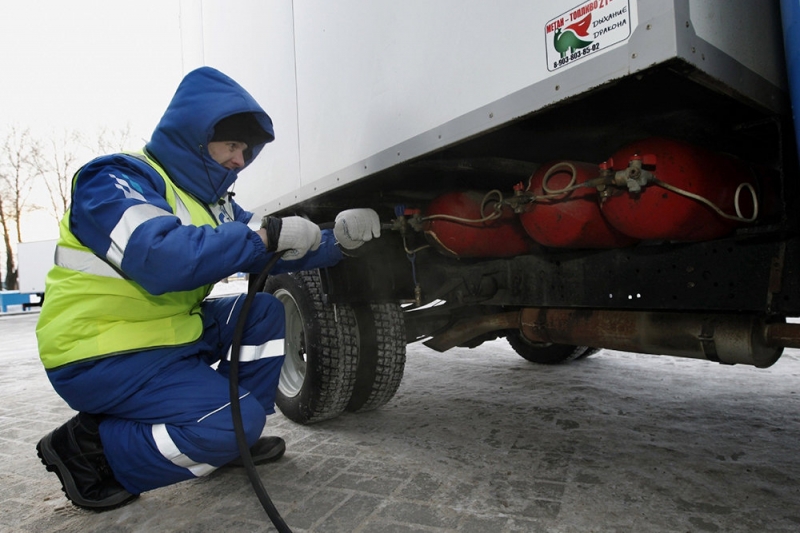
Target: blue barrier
{"x":14,"y":298}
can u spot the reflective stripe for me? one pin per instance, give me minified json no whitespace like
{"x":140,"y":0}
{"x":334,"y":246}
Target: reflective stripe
{"x":217,"y":410}
{"x":132,"y":218}
{"x":182,"y":212}
{"x":230,"y":314}
{"x":85,"y":262}
{"x":170,"y":451}
{"x":273,"y":348}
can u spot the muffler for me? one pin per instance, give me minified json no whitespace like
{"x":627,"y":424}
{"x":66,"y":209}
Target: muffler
{"x":728,"y":339}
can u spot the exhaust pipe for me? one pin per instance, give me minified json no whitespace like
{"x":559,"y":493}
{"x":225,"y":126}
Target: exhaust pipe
{"x":727,"y":339}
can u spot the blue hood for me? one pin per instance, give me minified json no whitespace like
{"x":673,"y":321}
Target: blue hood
{"x":180,"y":141}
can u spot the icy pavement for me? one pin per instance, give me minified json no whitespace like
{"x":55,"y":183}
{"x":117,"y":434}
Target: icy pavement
{"x":476,"y":441}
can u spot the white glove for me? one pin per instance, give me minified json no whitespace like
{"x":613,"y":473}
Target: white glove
{"x":298,"y":236}
{"x":356,"y":226}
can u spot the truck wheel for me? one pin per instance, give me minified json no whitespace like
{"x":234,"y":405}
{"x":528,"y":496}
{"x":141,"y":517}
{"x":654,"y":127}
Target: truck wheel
{"x":319,"y":371}
{"x":381,"y":355}
{"x":544,"y":353}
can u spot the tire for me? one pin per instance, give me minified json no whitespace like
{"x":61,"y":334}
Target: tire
{"x":319,"y":370}
{"x":381,"y":355}
{"x":544,"y":353}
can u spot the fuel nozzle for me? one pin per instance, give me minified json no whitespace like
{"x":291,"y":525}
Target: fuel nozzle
{"x":405,"y":218}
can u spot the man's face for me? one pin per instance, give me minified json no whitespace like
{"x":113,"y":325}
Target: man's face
{"x":229,"y":154}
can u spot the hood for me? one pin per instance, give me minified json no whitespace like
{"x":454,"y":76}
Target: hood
{"x":180,"y":141}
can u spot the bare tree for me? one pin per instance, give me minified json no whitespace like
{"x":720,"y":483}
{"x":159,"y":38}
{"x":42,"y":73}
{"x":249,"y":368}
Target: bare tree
{"x":112,"y":141}
{"x":18,"y":153}
{"x":11,"y":269}
{"x":24,"y":161}
{"x":66,"y":152}
{"x":56,"y":166}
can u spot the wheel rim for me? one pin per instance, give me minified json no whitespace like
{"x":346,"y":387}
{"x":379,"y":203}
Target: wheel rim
{"x":293,"y":372}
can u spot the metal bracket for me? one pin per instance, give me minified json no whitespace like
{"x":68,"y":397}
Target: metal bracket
{"x":776,"y":275}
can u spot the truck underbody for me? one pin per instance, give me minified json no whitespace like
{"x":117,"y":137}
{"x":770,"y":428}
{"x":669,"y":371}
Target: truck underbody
{"x":749,"y":273}
{"x":465,"y":255}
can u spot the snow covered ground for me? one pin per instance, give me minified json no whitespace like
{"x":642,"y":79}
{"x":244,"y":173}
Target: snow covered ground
{"x":225,"y":288}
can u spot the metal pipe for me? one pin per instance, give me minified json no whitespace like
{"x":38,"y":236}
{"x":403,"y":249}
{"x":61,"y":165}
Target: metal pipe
{"x":783,"y":335}
{"x":727,"y":339}
{"x":465,"y":330}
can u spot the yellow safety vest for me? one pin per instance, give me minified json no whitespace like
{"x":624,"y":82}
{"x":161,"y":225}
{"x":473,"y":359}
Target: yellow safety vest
{"x":92,"y":311}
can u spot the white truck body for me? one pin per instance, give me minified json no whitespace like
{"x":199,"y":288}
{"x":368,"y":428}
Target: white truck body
{"x":430,"y":112}
{"x":357,"y":86}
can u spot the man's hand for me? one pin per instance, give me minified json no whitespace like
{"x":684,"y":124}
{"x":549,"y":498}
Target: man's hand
{"x":356,"y":226}
{"x":296,"y":235}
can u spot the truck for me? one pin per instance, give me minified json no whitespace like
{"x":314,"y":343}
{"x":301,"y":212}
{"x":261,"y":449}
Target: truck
{"x":569,"y":176}
{"x":35,"y":259}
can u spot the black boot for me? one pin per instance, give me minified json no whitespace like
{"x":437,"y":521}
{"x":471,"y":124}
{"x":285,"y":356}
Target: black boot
{"x":74,"y":452}
{"x":265,"y":450}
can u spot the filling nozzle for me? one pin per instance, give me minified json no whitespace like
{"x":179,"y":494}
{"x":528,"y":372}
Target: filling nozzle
{"x":634,"y":178}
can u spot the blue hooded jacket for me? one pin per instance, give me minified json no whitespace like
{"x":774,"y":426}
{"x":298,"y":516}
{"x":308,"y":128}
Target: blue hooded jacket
{"x":180,"y":141}
{"x":119,"y":207}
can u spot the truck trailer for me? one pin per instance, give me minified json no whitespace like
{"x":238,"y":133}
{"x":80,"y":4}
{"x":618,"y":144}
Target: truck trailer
{"x":568,"y":175}
{"x":35,"y":259}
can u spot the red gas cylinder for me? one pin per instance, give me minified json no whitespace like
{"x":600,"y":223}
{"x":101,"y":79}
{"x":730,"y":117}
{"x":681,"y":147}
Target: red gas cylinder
{"x":656,"y":213}
{"x":451,"y":227}
{"x":572,"y":219}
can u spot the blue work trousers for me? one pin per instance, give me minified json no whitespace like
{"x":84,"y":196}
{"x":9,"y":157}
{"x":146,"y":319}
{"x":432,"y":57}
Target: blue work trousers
{"x":167,"y":411}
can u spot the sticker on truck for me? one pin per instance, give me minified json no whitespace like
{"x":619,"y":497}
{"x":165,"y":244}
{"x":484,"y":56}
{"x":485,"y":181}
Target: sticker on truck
{"x":586,"y":29}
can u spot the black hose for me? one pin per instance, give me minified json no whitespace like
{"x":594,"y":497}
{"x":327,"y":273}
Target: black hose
{"x":236,"y":411}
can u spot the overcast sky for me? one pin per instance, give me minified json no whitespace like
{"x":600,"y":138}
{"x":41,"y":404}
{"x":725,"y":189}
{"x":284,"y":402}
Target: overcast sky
{"x":84,"y":65}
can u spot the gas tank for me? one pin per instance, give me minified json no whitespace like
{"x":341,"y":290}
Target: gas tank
{"x":452,"y":226}
{"x":572,"y":219}
{"x":656,"y":213}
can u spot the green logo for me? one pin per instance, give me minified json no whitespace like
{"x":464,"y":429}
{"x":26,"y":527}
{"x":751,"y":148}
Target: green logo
{"x":569,"y":40}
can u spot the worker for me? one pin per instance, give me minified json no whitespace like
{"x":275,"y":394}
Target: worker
{"x":126,"y":334}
